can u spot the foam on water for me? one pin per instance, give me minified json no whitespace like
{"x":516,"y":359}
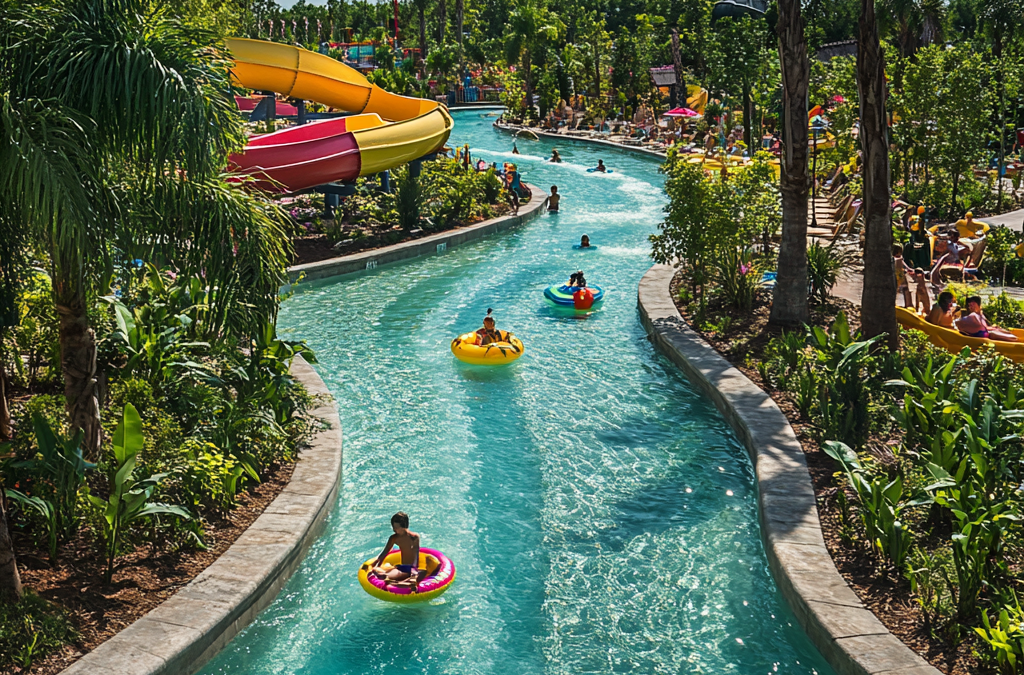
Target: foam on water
{"x":578,"y":491}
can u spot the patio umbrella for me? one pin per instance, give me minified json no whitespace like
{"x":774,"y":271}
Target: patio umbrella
{"x":681,"y":112}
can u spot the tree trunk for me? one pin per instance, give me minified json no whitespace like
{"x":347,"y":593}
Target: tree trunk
{"x":527,"y":84}
{"x":789,"y":303}
{"x":78,"y":361}
{"x":748,"y":119}
{"x":997,"y":52}
{"x":442,"y":20}
{"x":597,"y":69}
{"x":460,"y":10}
{"x":5,"y":410}
{"x":423,"y":41}
{"x":878,"y":302}
{"x":677,"y":66}
{"x":10,"y":581}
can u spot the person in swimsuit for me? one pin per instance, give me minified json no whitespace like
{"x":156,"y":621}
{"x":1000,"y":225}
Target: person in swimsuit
{"x":408,"y":542}
{"x":553,"y":199}
{"x":576,"y":280}
{"x":953,"y":256}
{"x":600,"y":166}
{"x":584,"y":241}
{"x":941,"y":313}
{"x":489,"y":334}
{"x":901,"y":267}
{"x":976,"y":325}
{"x":555,"y":157}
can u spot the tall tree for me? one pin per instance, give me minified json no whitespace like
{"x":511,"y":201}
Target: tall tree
{"x":530,"y":27}
{"x":10,"y":580}
{"x":421,"y":10}
{"x":878,"y":300}
{"x":159,"y":119}
{"x":677,"y":67}
{"x":789,"y":303}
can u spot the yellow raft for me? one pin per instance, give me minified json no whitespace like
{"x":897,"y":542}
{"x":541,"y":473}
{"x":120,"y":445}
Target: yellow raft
{"x":955,"y":341}
{"x":501,"y":353}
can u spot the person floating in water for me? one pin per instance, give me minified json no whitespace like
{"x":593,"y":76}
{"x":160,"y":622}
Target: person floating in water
{"x":515,"y":148}
{"x":408,"y":542}
{"x":553,"y":199}
{"x":489,"y":334}
{"x":584,"y":241}
{"x":576,"y":280}
{"x":601,"y":167}
{"x":555,"y":157}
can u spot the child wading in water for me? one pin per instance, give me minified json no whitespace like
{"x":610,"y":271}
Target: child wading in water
{"x":553,"y":199}
{"x":408,"y":542}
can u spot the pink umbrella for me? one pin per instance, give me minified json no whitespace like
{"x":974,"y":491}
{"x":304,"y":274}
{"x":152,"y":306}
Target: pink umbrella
{"x":682,"y":112}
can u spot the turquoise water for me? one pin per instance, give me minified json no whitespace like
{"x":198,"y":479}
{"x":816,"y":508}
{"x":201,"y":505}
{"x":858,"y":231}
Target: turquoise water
{"x":600,"y":513}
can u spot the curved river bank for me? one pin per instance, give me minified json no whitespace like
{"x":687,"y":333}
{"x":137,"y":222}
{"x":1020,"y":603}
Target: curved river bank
{"x":600,"y":513}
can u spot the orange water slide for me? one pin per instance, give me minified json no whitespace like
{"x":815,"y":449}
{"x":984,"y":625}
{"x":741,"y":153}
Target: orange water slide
{"x":385,"y":131}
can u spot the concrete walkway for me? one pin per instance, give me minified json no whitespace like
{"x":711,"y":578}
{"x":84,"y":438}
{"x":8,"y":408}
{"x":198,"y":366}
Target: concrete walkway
{"x":1013,"y":220}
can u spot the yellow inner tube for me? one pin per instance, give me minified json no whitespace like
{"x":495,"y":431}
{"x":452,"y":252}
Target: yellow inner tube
{"x":501,"y":353}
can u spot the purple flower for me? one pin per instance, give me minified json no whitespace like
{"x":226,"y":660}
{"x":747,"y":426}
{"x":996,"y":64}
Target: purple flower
{"x":744,"y":269}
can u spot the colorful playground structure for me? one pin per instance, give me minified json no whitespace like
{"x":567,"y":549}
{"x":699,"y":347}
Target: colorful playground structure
{"x":384,"y":130}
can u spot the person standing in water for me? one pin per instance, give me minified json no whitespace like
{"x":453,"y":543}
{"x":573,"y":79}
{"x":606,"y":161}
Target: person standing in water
{"x":553,"y":199}
{"x":515,"y":148}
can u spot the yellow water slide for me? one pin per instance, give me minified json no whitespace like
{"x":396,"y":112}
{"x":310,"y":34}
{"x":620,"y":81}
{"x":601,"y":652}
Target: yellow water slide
{"x":386,"y":130}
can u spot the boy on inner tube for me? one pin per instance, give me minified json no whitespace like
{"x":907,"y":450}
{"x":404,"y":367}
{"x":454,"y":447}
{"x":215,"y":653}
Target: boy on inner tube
{"x":489,"y":334}
{"x":408,"y":542}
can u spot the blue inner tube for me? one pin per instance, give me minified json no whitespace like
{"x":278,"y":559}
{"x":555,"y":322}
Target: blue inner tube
{"x":580,"y":248}
{"x":594,"y":170}
{"x":562,"y":295}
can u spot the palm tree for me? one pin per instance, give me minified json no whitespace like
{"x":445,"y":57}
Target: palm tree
{"x":530,"y":26}
{"x":1001,"y":20}
{"x":159,"y":121}
{"x":914,"y":23}
{"x":421,"y":9}
{"x":44,"y":170}
{"x":789,"y":303}
{"x":878,"y":300}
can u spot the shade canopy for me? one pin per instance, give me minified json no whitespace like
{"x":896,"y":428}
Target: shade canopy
{"x":681,"y":112}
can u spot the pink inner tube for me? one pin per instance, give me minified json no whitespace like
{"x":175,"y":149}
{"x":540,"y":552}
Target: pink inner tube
{"x":443,"y":576}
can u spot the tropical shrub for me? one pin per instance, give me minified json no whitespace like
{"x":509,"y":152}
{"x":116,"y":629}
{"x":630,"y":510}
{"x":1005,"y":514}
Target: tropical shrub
{"x":129,"y":498}
{"x":59,"y":473}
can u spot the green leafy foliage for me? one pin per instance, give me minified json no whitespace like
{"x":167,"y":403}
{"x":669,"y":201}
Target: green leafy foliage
{"x":129,"y":499}
{"x":59,"y":474}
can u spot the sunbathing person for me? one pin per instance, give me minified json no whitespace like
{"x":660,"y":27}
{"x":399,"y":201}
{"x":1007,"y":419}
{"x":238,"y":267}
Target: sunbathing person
{"x":941,"y":313}
{"x":974,"y":324}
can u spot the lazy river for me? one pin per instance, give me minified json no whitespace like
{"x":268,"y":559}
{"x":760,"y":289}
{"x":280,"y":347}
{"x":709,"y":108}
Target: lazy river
{"x":600,"y":512}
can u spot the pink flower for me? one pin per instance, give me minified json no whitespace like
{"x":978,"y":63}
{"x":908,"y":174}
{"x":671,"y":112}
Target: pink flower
{"x":744,"y":269}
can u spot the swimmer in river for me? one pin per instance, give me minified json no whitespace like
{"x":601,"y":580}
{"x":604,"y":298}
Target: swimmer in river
{"x":584,"y":241}
{"x":601,"y":167}
{"x":555,"y":157}
{"x":553,"y":199}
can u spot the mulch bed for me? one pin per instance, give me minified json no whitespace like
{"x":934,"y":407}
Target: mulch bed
{"x":888,"y":596}
{"x":143,"y":579}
